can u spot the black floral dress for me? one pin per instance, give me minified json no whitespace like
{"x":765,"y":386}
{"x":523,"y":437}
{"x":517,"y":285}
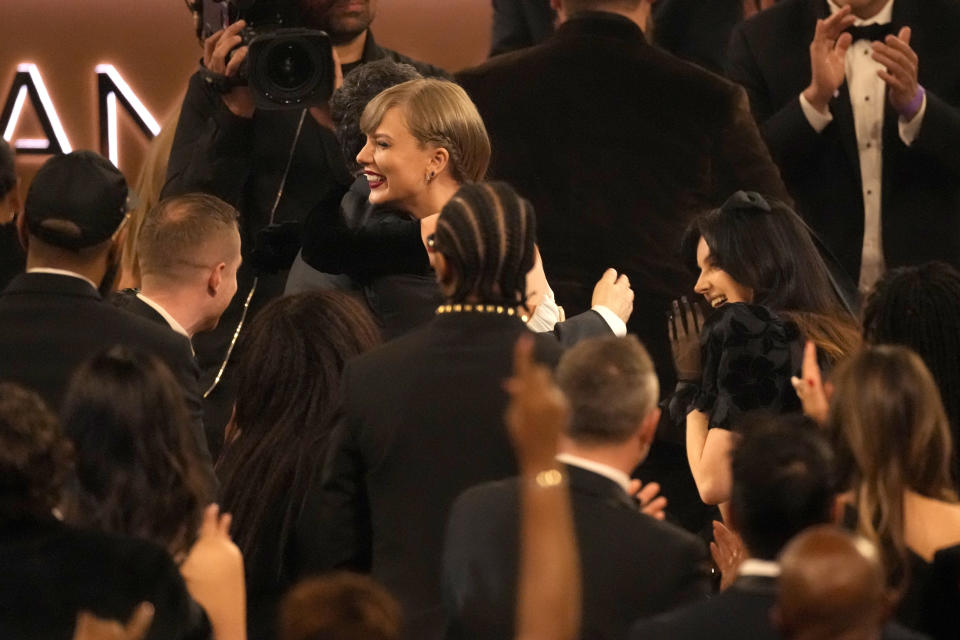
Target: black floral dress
{"x":748,"y":354}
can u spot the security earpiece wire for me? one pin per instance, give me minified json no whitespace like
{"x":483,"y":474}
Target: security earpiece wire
{"x":256,"y":279}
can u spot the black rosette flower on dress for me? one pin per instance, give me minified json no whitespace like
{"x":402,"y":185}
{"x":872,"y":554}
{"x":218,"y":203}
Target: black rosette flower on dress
{"x":749,"y":354}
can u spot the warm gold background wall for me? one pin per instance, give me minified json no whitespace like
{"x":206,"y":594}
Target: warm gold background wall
{"x":151,"y":43}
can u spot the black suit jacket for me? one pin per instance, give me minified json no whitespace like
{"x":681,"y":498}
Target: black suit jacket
{"x":617,"y":144}
{"x":50,"y":324}
{"x":128,"y":301}
{"x":632,"y":565}
{"x":423,"y":421}
{"x":768,"y":55}
{"x":742,"y":612}
{"x":520,"y":23}
{"x":52,"y":571}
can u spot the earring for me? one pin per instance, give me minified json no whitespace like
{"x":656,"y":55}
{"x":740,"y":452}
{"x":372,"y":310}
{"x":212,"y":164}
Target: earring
{"x":431,"y":176}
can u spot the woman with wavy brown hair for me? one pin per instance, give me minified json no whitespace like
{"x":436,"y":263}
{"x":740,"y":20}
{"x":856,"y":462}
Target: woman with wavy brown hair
{"x":893,"y":440}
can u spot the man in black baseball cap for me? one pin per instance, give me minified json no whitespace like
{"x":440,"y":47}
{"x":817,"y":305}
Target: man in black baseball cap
{"x":53,"y":317}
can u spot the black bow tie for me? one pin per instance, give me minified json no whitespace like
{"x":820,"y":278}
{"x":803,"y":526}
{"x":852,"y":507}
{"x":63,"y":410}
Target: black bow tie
{"x":872,"y":32}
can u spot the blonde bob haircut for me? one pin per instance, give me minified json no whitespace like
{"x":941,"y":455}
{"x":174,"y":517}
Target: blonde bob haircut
{"x":437,"y":112}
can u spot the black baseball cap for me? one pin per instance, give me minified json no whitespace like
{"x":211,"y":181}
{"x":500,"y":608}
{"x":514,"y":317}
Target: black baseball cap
{"x":76,"y":200}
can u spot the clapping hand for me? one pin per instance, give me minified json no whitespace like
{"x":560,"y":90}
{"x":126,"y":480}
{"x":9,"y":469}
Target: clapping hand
{"x":901,"y":64}
{"x":90,"y":627}
{"x":828,"y":57}
{"x":728,"y":553}
{"x":684,"y":327}
{"x":538,"y":411}
{"x":648,"y":495}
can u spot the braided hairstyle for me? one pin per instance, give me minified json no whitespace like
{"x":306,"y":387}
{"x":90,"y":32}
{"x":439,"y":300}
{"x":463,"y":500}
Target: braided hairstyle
{"x":486,"y":234}
{"x":919,"y":307}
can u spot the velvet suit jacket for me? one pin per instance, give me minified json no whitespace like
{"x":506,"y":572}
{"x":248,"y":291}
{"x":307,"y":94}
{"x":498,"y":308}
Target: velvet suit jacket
{"x":618,"y":145}
{"x":632,"y":565}
{"x":520,"y":23}
{"x":50,"y":324}
{"x":768,"y":55}
{"x":423,"y":420}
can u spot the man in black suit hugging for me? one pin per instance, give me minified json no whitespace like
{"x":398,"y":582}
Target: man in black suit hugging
{"x":632,"y":564}
{"x":53,"y":317}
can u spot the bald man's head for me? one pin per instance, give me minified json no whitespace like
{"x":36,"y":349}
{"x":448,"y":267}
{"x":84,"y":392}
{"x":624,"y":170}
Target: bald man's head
{"x":832,"y":586}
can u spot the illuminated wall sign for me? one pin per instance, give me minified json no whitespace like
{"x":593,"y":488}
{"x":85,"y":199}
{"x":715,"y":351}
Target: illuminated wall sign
{"x":111,"y":89}
{"x":29,"y":82}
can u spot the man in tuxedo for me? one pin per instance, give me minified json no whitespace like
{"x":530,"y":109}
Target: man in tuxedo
{"x":632,"y":565}
{"x":783,"y":483}
{"x":859,"y":102}
{"x":189,"y":255}
{"x":53,"y":317}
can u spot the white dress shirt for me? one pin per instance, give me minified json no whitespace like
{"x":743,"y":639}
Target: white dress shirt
{"x":176,"y":326}
{"x":63,"y":272}
{"x":760,"y":568}
{"x":599,"y":468}
{"x":548,"y":314}
{"x":867,"y":99}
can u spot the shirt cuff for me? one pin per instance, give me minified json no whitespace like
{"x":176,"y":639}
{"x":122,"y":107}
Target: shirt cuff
{"x":910,"y":130}
{"x":817,"y":120}
{"x":546,"y":315}
{"x":613,"y":321}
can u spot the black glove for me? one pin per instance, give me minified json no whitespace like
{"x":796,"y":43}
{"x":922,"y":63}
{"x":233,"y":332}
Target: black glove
{"x":684,"y":327}
{"x":275,"y":247}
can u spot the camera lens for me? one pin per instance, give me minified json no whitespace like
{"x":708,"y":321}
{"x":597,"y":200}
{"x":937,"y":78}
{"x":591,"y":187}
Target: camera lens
{"x":289,"y":66}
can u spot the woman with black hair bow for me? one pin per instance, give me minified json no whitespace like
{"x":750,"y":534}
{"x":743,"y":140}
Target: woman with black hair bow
{"x":761,"y":272}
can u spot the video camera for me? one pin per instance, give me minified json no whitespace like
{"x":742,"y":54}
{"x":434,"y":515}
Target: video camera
{"x":287,"y":66}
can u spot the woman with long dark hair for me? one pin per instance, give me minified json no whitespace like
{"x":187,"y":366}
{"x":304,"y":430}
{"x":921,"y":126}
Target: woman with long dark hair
{"x":138,"y":471}
{"x":761,"y":272}
{"x":278,"y":436}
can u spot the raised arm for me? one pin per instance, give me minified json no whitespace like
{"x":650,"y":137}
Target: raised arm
{"x":548,"y":591}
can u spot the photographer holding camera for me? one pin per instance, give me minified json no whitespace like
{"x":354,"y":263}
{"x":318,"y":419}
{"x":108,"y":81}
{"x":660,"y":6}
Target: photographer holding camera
{"x":257,"y":134}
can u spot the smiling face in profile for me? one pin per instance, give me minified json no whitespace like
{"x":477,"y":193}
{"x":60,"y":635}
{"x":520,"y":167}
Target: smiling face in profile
{"x":395,"y":163}
{"x":716,"y":285}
